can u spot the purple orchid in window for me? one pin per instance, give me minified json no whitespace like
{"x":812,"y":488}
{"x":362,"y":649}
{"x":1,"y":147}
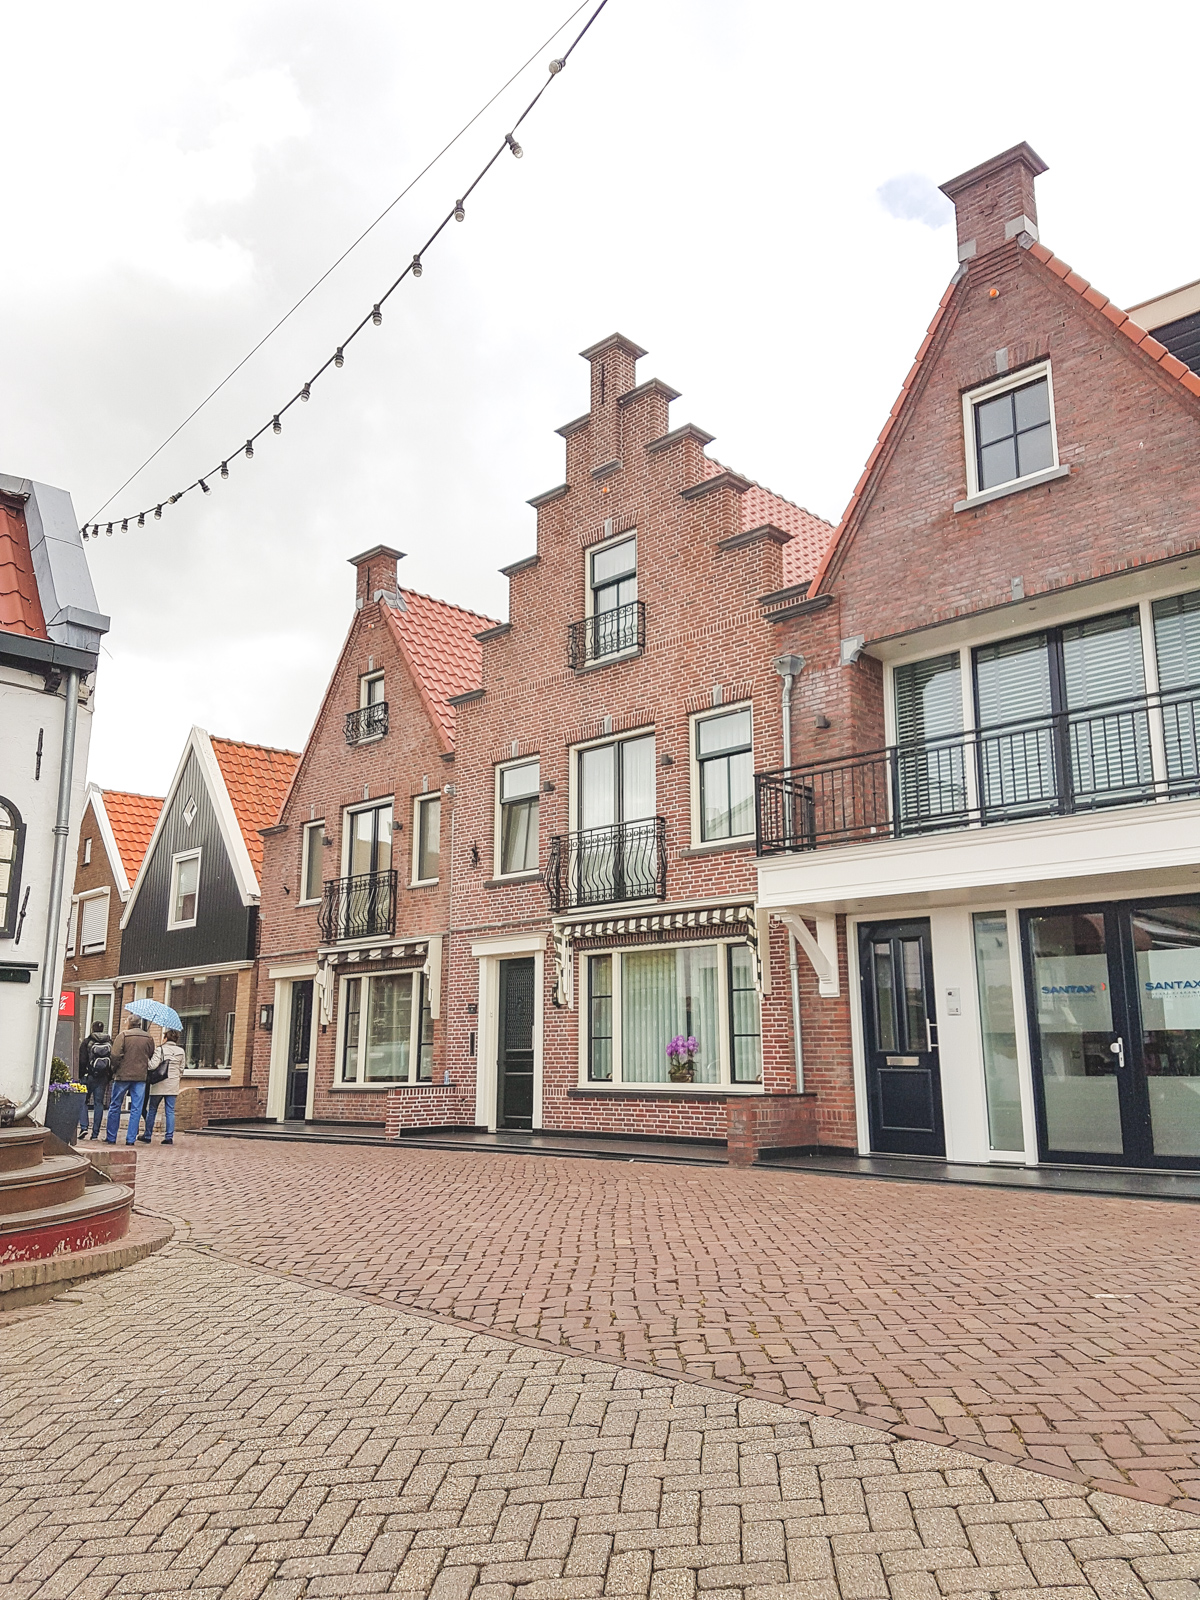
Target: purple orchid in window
{"x":680,"y":1053}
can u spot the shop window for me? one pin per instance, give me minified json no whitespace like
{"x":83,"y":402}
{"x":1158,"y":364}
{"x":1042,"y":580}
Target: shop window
{"x":386,"y":1029}
{"x":207,"y":1006}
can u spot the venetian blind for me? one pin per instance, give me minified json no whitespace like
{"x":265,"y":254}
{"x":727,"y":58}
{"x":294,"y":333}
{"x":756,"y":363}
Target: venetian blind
{"x":1013,"y":680}
{"x":1177,"y":640}
{"x":928,"y":699}
{"x":1102,"y":660}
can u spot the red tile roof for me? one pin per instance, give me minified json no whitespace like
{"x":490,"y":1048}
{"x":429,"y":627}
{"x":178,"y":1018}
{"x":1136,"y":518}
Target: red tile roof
{"x":131,"y":818}
{"x":438,"y":642}
{"x":257,"y":779}
{"x":811,"y":535}
{"x":20,"y":606}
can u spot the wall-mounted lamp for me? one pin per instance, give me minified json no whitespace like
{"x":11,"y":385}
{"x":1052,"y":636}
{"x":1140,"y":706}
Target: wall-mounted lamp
{"x":266,"y":1017}
{"x":822,"y":721}
{"x":666,"y":760}
{"x":547,"y":787}
{"x":474,"y":855}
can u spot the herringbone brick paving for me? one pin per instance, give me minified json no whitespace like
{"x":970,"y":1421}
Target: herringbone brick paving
{"x":1063,"y":1330}
{"x":194,"y":1425}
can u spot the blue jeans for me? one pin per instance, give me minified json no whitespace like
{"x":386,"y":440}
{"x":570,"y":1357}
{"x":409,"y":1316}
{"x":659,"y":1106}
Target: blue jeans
{"x":155,"y":1100}
{"x":96,"y":1092}
{"x":137,"y":1094}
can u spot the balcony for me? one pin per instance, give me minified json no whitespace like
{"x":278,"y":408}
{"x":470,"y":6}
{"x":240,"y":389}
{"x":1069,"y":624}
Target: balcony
{"x":368,"y":722}
{"x":605,"y":866}
{"x":363,"y":907}
{"x":607,"y":633}
{"x":1127,"y":752}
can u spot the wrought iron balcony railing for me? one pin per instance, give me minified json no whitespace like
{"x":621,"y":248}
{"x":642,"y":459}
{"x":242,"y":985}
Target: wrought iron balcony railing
{"x":603,"y":866}
{"x":607,"y":633}
{"x":1126,"y":752}
{"x":368,"y":722}
{"x":362,"y":907}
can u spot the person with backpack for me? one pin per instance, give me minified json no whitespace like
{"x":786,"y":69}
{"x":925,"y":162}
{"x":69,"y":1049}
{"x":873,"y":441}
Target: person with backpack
{"x":165,"y":1066}
{"x":95,"y":1070}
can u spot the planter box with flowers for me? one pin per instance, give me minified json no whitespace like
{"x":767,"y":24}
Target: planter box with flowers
{"x":64,"y":1107}
{"x":681,"y":1055}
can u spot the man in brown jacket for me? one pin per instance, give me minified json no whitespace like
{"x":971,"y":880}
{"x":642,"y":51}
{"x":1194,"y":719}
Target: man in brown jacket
{"x":131,"y":1052}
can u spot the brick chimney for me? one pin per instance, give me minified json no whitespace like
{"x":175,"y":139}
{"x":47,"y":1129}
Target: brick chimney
{"x":614,"y":368}
{"x":376,"y":570}
{"x":994,"y":202}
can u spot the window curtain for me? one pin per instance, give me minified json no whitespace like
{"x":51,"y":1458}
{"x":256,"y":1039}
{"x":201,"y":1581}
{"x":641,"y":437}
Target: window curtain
{"x":388,"y":1027}
{"x":664,"y":993}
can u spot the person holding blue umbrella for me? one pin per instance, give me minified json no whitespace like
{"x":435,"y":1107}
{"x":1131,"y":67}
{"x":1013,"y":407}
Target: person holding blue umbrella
{"x":131,"y":1054}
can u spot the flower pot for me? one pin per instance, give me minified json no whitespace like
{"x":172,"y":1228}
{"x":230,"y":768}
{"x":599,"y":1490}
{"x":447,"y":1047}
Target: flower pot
{"x":681,"y":1072}
{"x":63,"y":1112}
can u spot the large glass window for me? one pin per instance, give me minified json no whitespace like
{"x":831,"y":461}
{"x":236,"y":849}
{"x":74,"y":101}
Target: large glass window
{"x":185,"y":889}
{"x":724,"y":756}
{"x":615,"y":853}
{"x":207,"y":1007}
{"x":1167,"y":942}
{"x":640,"y":1000}
{"x":1074,"y":1021}
{"x":519,"y":786}
{"x":428,"y":839}
{"x":614,"y":593}
{"x":1014,"y":435}
{"x":386,"y":1029}
{"x":371,"y":840}
{"x":993,"y":971}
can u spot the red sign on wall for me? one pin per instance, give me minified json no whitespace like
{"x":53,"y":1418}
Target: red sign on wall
{"x":66,"y":1003}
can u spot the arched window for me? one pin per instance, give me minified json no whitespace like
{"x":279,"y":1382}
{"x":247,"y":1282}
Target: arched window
{"x":12,"y":844}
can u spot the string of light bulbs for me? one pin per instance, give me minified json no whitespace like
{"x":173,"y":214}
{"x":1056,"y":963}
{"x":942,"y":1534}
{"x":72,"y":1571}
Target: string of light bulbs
{"x":414,"y":269}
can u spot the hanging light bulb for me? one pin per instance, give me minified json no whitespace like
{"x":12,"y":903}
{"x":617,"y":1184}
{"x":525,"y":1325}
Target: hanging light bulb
{"x":125,"y":526}
{"x":204,"y":487}
{"x":83,"y":533}
{"x":339,"y":359}
{"x":158,"y":513}
{"x":249,"y":449}
{"x":141,"y":519}
{"x":306,"y":393}
{"x":417,"y":268}
{"x":376,"y":315}
{"x":108,"y":530}
{"x":276,"y":425}
{"x":556,"y":66}
{"x":173,"y":499}
{"x":460,"y":214}
{"x":514,"y":146}
{"x":224,"y":469}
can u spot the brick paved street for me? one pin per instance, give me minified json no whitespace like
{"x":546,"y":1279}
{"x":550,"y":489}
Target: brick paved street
{"x":1062,"y":1330}
{"x":192,"y":1424}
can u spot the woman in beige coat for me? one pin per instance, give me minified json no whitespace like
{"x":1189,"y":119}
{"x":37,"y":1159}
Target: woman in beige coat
{"x":170,"y":1055}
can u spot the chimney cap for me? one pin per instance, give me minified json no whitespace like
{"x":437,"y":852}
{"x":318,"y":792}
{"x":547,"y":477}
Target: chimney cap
{"x":1022,"y":152}
{"x":615,"y":341}
{"x":376,"y":550}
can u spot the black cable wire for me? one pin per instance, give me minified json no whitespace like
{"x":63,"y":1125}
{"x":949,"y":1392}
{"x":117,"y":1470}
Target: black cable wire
{"x":375,"y":313}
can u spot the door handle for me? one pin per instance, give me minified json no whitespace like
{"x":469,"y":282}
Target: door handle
{"x":930,"y":1034}
{"x":1118,"y":1049}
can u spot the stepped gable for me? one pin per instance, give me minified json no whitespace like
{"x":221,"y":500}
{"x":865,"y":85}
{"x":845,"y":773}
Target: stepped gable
{"x":257,"y":778}
{"x":438,"y":642}
{"x":131,"y":818}
{"x":20,"y":604}
{"x":811,"y":535}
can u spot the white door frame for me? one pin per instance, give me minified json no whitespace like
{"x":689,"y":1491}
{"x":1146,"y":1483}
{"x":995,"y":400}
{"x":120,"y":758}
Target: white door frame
{"x":489,"y":953}
{"x":281,"y":1037}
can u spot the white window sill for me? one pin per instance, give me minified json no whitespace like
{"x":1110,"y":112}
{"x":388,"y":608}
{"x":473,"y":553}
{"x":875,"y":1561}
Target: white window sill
{"x":179,"y":927}
{"x":424,"y":883}
{"x":1047,"y":475}
{"x":212,"y":1073}
{"x":653,"y":1089}
{"x":505,"y":878}
{"x":610,"y":658}
{"x":712,"y":847}
{"x":384,"y":1088}
{"x":316,"y":902}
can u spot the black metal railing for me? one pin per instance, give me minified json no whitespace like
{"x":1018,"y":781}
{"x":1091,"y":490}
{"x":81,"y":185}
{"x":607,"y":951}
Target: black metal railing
{"x":607,"y":633}
{"x":368,"y":722}
{"x":362,"y":907}
{"x":1067,"y":761}
{"x":602,"y":866}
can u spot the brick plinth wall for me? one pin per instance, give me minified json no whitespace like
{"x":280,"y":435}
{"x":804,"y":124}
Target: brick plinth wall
{"x":431,"y":1105}
{"x":117,"y":1162}
{"x":198,"y":1105}
{"x":771,"y":1122}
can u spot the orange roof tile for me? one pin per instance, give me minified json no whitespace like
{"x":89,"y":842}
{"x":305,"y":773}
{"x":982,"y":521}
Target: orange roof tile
{"x":438,"y":642}
{"x":20,"y":605}
{"x":131,"y":818}
{"x":257,"y":779}
{"x":811,"y":535}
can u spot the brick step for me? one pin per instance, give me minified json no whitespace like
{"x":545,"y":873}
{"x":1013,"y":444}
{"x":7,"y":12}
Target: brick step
{"x":20,"y":1147}
{"x":98,"y":1215}
{"x":54,"y":1180}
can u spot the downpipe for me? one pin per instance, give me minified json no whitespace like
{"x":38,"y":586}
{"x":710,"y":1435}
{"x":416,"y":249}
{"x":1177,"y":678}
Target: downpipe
{"x":789,"y":669}
{"x":47,"y":1008}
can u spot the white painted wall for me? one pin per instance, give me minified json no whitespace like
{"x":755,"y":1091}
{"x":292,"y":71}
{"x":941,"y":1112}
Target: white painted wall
{"x":25,"y":707}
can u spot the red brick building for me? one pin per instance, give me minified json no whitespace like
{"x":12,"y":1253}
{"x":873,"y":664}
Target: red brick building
{"x":356,"y":871}
{"x":603,"y":895}
{"x":988,"y":842}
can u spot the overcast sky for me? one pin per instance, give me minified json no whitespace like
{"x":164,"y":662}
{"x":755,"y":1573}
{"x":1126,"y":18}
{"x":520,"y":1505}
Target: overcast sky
{"x":747,"y":189}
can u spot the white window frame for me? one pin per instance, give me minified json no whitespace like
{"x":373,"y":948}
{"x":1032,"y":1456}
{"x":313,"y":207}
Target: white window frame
{"x":87,"y":851}
{"x":209,"y":1074}
{"x":649,"y":731}
{"x":416,"y":881}
{"x":77,"y":906}
{"x":73,"y":925}
{"x":364,"y":684}
{"x":725,"y":1085}
{"x":176,"y":861}
{"x":420,"y":990}
{"x":611,"y":543}
{"x":348,"y":816}
{"x":88,"y":998}
{"x":498,"y":872}
{"x":311,"y":830}
{"x":989,"y":391}
{"x":699,"y":842}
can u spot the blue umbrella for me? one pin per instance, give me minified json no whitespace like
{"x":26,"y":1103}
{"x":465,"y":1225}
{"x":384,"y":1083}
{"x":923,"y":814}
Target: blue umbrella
{"x":155,"y":1011}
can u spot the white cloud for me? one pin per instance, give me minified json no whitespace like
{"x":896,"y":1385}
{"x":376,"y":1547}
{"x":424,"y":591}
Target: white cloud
{"x":914,"y":198}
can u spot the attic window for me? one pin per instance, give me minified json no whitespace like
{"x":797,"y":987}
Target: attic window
{"x":189,"y":813}
{"x":1010,"y":433}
